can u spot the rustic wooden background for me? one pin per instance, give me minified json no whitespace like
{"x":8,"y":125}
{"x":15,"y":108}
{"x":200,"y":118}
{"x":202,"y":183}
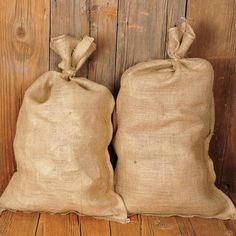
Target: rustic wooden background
{"x":126,"y":32}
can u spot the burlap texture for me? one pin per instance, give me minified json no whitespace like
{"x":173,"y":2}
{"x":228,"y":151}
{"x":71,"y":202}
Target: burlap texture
{"x":164,"y":121}
{"x":63,"y":131}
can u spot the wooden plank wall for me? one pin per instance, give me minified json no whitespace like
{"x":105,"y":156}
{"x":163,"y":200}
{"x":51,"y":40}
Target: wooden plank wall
{"x":215,"y":25}
{"x":24,"y":55}
{"x":126,"y":32}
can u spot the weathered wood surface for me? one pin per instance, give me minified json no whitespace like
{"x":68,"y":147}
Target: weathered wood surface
{"x":142,"y":31}
{"x":69,"y":17}
{"x":160,"y":226}
{"x":215,"y":25}
{"x":92,"y":226}
{"x":18,"y":224}
{"x":31,"y":224}
{"x":59,"y":225}
{"x":24,"y":36}
{"x":133,"y":228}
{"x":103,"y":27}
{"x":206,"y":227}
{"x":126,"y":32}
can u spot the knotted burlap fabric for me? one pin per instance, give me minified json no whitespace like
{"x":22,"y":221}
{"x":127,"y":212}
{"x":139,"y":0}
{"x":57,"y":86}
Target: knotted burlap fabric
{"x":63,"y":131}
{"x":164,"y":119}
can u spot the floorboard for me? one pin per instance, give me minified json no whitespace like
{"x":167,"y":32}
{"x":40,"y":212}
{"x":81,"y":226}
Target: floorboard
{"x":18,"y":224}
{"x":185,"y":226}
{"x":208,"y":227}
{"x":133,"y":228}
{"x":34,"y":224}
{"x":160,"y":226}
{"x":58,"y":225}
{"x":94,"y":227}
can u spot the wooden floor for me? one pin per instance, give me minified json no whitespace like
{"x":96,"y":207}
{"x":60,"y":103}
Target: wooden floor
{"x":31,"y":224}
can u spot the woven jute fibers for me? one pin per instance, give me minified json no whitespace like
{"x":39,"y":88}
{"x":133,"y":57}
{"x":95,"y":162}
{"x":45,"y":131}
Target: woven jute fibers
{"x":63,"y":131}
{"x":164,"y":121}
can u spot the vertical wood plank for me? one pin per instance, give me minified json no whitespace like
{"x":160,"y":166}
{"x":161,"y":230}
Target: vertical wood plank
{"x":160,"y":226}
{"x":18,"y":224}
{"x":175,"y":11}
{"x":69,"y":17}
{"x":214,"y":24}
{"x":103,"y":27}
{"x":91,"y":226}
{"x":132,"y":228}
{"x":206,"y":227}
{"x":103,"y":16}
{"x":59,"y":225}
{"x":96,"y":18}
{"x":24,"y":30}
{"x":142,"y":31}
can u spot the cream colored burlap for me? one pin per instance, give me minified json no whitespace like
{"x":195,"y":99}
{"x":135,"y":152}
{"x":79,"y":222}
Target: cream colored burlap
{"x":165,"y":119}
{"x":63,"y":131}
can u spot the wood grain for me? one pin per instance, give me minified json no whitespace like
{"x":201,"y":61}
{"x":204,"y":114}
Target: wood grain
{"x":18,"y":224}
{"x":96,"y":18}
{"x":59,"y":225}
{"x":160,"y":226}
{"x":103,"y":27}
{"x":133,"y":228}
{"x":91,"y":226}
{"x":214,"y":24}
{"x":126,"y":32}
{"x":205,"y":227}
{"x":142,"y":31}
{"x":24,"y":32}
{"x":69,"y":17}
{"x":27,"y":224}
{"x":175,"y":11}
{"x":185,"y":226}
{"x":231,"y":227}
{"x":229,"y":164}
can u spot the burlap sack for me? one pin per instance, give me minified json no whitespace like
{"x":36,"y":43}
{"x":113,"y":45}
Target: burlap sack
{"x":63,"y":131}
{"x":165,"y":119}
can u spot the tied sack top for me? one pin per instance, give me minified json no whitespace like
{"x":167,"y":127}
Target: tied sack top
{"x":164,"y":122}
{"x":63,"y":131}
